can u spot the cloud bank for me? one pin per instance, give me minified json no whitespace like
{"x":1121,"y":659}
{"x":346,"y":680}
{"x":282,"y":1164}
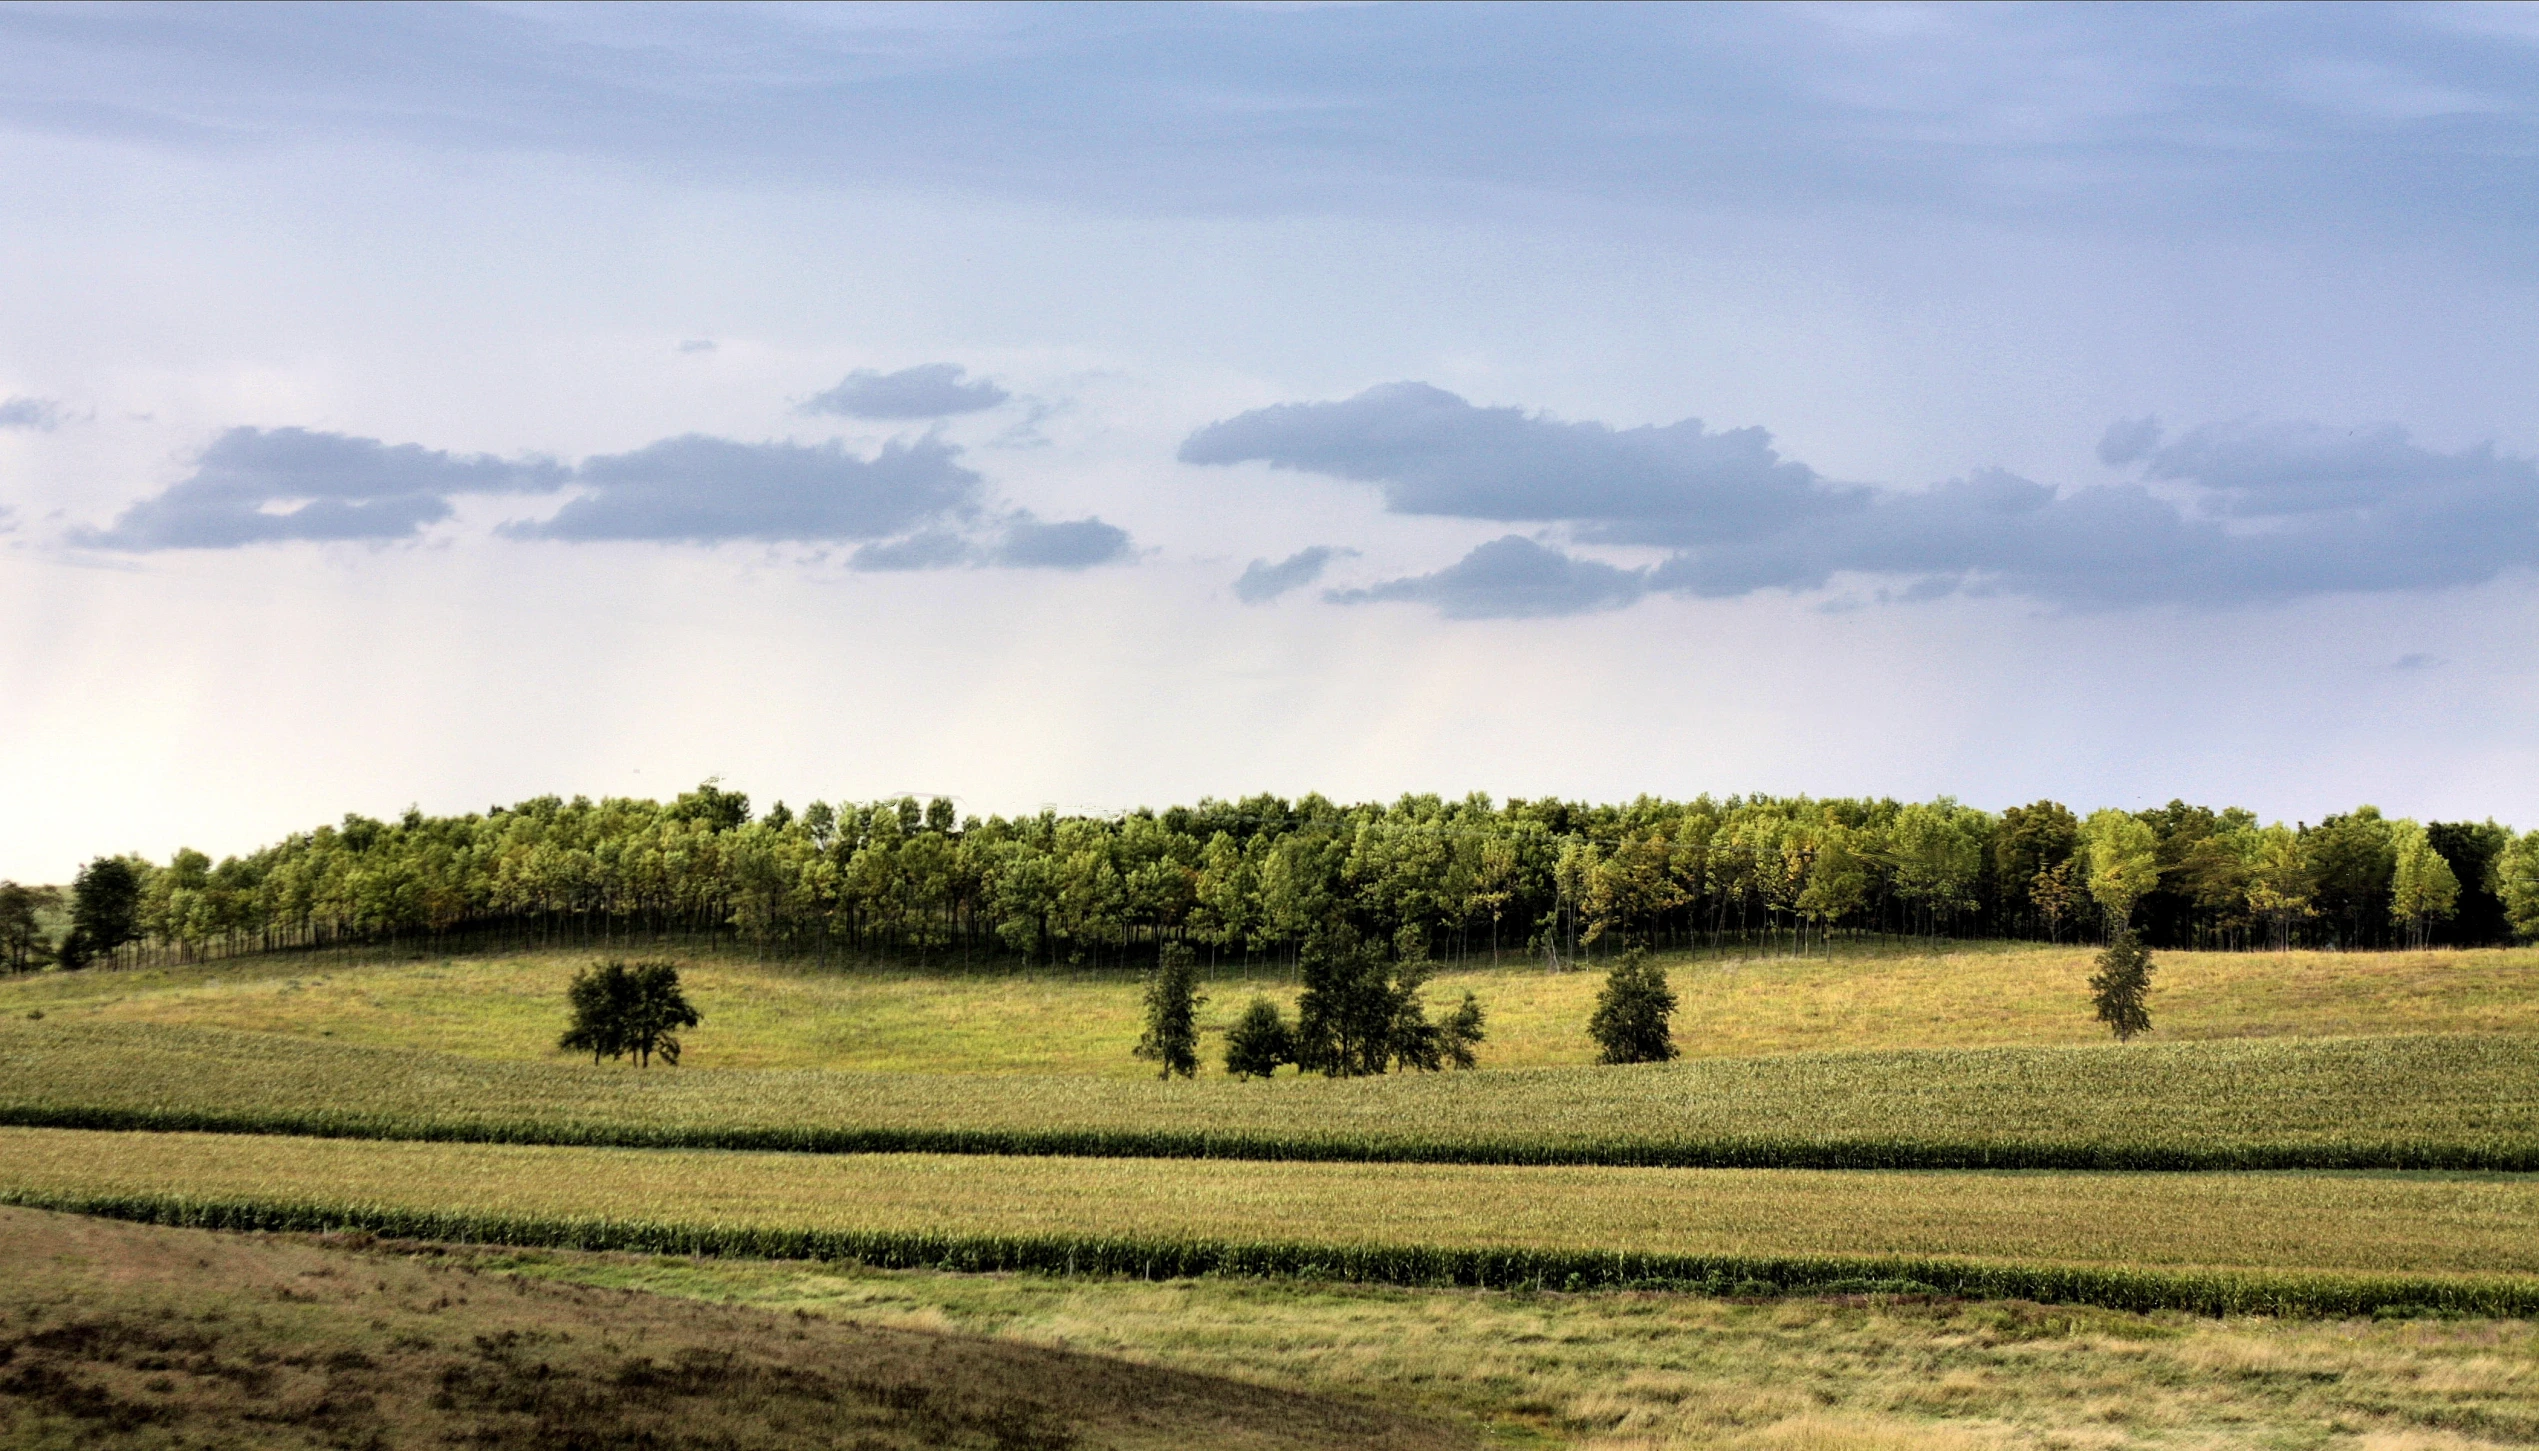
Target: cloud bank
{"x":911,"y":505}
{"x":2224,"y":514}
{"x":257,"y":485}
{"x":932,"y":390}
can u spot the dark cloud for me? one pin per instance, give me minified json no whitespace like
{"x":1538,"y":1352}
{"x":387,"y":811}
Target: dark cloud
{"x":2224,"y":513}
{"x":256,"y":485}
{"x":698,"y":490}
{"x":1029,"y":543}
{"x":1263,"y":581}
{"x":932,"y":390}
{"x":1430,"y":452}
{"x":1511,"y":578}
{"x":40,"y":414}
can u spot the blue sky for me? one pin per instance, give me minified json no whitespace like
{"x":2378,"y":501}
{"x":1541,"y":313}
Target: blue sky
{"x":1094,"y":406}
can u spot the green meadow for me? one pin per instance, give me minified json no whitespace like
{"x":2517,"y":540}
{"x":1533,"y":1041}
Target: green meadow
{"x":890,"y":1020}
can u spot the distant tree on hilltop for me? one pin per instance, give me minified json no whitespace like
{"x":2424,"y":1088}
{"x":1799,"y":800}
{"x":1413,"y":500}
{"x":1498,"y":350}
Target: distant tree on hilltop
{"x":622,"y":1009}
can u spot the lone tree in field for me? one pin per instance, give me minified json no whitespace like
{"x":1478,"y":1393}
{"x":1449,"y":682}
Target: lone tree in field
{"x":621,"y":1009}
{"x":1172,"y":1013}
{"x":2122,"y":981}
{"x":1630,"y":1021}
{"x":1259,"y":1041}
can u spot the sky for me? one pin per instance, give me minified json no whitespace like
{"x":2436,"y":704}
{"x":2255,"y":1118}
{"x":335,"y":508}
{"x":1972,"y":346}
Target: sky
{"x":1087,"y":407}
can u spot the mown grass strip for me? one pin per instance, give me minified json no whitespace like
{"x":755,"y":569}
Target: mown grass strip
{"x":2453,"y":1103}
{"x":2237,"y":1292}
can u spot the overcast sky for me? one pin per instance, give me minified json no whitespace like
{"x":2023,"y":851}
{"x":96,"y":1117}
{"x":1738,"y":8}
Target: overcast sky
{"x":1092,"y":407}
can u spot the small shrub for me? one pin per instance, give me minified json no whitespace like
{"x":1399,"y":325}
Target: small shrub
{"x":1259,"y":1041}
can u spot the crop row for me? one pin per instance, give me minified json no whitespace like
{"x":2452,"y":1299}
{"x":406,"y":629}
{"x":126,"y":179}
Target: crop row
{"x":2205,"y":1292}
{"x":2359,"y":1223}
{"x":2432,"y":1102}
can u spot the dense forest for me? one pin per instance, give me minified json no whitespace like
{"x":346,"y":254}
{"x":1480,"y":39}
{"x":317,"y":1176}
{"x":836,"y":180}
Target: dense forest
{"x":1251,"y":879}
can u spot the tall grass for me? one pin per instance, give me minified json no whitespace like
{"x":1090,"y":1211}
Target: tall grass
{"x":2441,"y":1102}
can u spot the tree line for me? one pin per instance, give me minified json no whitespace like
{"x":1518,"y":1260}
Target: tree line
{"x":1252,"y":881}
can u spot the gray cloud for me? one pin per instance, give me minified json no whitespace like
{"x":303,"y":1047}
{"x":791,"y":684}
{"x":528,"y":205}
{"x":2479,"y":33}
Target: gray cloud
{"x":925,"y":549}
{"x":255,"y":485}
{"x":2127,"y":440}
{"x":1029,"y":543}
{"x":1263,"y":581}
{"x":931,"y":390}
{"x":697,"y":345}
{"x":1430,"y":452}
{"x":42,"y":415}
{"x":2247,"y":511}
{"x":2418,"y":661}
{"x":910,"y":506}
{"x":1511,"y":578}
{"x":698,"y":490}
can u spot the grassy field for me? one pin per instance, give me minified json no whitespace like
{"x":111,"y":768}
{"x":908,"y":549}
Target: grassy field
{"x":2459,"y":1227}
{"x":1638,"y":1371}
{"x":2433,"y":1102}
{"x":132,"y":1336}
{"x":798,"y":1016}
{"x":123,"y":1336}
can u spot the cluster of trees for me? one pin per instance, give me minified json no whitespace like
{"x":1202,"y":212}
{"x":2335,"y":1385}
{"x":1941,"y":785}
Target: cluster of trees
{"x":1360,"y":1012}
{"x":1255,"y":879}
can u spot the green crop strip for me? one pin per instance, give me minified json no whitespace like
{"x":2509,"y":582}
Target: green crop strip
{"x":2207,"y":1293}
{"x":2434,"y":1102}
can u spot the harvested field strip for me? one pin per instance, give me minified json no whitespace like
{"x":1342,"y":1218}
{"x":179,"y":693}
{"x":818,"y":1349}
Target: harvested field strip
{"x":2281,"y":1242}
{"x":2444,"y":1102}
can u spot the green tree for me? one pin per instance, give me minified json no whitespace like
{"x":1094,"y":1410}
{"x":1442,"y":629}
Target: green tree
{"x":2472,"y":849}
{"x":2124,"y":864}
{"x":2120,"y":986}
{"x":1172,"y":1013}
{"x":1630,"y":1024}
{"x":2279,"y":882}
{"x":2056,"y":896}
{"x":23,"y":944}
{"x":105,"y":910}
{"x":622,"y":1009}
{"x":1259,"y":1041}
{"x":598,"y":998}
{"x":2352,"y":859}
{"x":2517,"y":882}
{"x":2422,"y":888}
